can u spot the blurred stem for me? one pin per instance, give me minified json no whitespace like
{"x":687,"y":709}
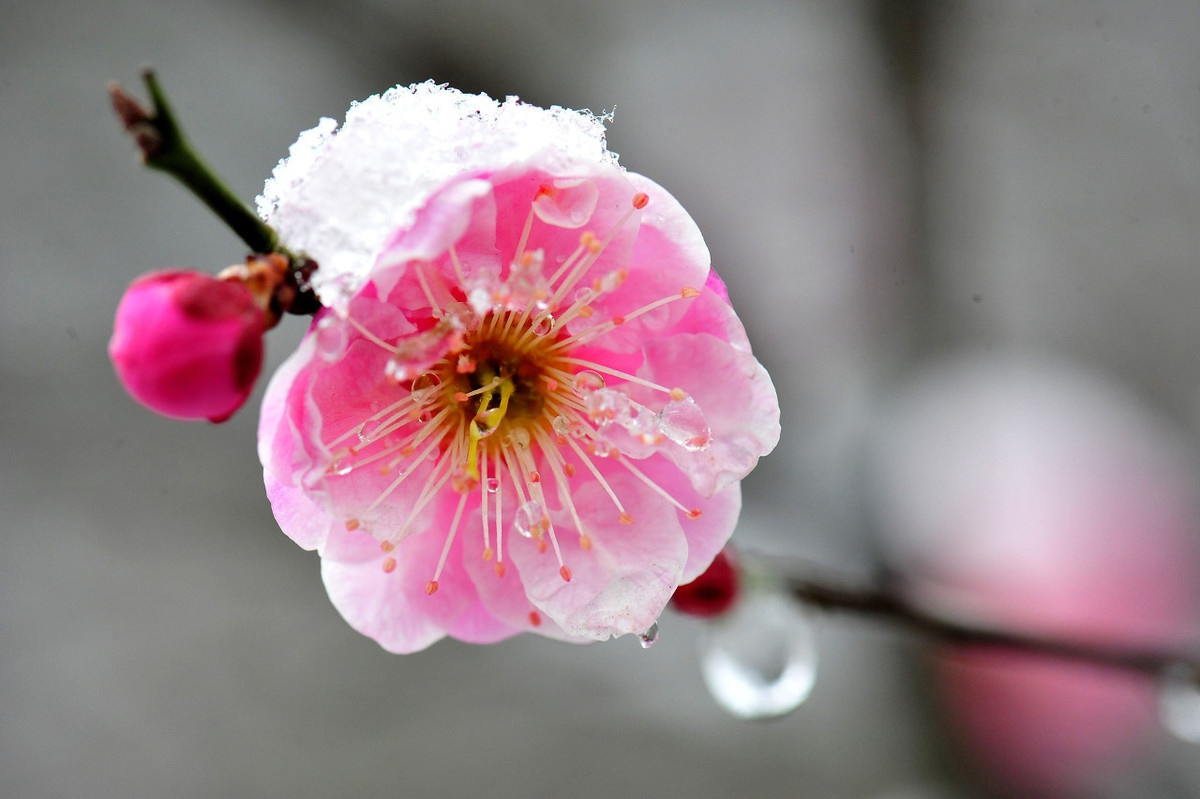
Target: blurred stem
{"x":890,"y":606}
{"x":164,"y":147}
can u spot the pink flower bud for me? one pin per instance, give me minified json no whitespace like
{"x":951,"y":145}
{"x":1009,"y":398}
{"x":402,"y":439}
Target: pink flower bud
{"x":187,"y":345}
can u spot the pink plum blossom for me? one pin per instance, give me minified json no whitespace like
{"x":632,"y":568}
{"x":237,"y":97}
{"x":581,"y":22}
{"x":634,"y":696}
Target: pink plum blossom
{"x":1038,"y":497}
{"x":528,"y":403}
{"x":188,"y":345}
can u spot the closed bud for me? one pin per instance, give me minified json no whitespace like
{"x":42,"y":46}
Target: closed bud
{"x":712,"y":593}
{"x":188,"y":345}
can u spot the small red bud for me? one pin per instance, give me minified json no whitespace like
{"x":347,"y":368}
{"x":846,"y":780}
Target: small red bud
{"x":188,"y":345}
{"x":710,"y":594}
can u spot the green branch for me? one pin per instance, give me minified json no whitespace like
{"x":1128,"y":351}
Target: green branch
{"x":164,"y":147}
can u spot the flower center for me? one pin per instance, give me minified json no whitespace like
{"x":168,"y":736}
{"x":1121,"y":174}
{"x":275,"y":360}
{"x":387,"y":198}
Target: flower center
{"x":505,"y":408}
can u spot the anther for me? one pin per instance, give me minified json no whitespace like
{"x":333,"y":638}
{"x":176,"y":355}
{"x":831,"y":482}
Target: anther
{"x":535,"y":618}
{"x":460,"y":396}
{"x":431,"y":587}
{"x":689,"y":292}
{"x":678,"y":394}
{"x":498,"y":568}
{"x":389,"y":565}
{"x":694,"y":513}
{"x":625,"y":519}
{"x":535,"y":476}
{"x":387,"y":546}
{"x":465,"y":365}
{"x":565,"y":573}
{"x":585,"y":542}
{"x":352,"y":525}
{"x":569,"y":469}
{"x":640,"y":200}
{"x":488,"y":553}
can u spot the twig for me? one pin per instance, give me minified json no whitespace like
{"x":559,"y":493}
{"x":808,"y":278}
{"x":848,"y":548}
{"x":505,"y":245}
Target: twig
{"x":163,"y":146}
{"x":890,"y":606}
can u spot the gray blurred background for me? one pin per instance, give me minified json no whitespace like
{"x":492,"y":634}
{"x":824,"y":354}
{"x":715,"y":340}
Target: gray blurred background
{"x":880,"y":183}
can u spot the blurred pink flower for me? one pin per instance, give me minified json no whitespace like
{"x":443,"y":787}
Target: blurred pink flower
{"x":1036,"y":496}
{"x":188,"y":345}
{"x":530,"y":409}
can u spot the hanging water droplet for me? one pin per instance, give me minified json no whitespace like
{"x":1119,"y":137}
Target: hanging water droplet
{"x":543,"y":325}
{"x":528,"y":521}
{"x":759,"y":660}
{"x":648,"y":638}
{"x":585,"y":295}
{"x":332,"y":338}
{"x":425,"y":387}
{"x":683,"y":422}
{"x":493,"y":485}
{"x":587,"y":381}
{"x":1179,"y":702}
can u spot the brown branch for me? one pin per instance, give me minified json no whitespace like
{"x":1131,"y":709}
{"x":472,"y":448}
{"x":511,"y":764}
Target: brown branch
{"x":892,"y":607}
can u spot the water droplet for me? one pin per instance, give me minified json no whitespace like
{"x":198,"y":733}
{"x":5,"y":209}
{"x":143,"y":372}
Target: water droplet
{"x":587,"y":381}
{"x":606,"y":405}
{"x":398,"y":370}
{"x":519,"y":437}
{"x":561,"y":425}
{"x":367,"y":430}
{"x":493,"y":485}
{"x":425,"y":387}
{"x":648,"y":638}
{"x":585,"y":295}
{"x":1179,"y":702}
{"x":526,"y":284}
{"x":332,"y":338}
{"x":341,"y":466}
{"x":683,"y":422}
{"x":612,"y":281}
{"x":528,"y":521}
{"x":543,"y":325}
{"x":759,"y":660}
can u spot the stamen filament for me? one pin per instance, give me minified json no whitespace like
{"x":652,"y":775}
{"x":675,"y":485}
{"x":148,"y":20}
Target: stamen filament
{"x":371,"y":337}
{"x":606,"y":327}
{"x":595,"y":252}
{"x":553,"y":458}
{"x":458,"y":270}
{"x":599,"y":367}
{"x":583,"y":457}
{"x":662,"y":492}
{"x":433,"y":304}
{"x":449,"y":541}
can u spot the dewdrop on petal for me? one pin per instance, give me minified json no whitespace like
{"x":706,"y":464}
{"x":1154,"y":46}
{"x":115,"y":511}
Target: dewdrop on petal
{"x":561,"y":402}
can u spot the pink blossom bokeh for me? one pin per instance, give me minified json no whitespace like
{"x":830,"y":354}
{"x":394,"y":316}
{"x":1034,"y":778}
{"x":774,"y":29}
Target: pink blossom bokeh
{"x":1039,"y":497}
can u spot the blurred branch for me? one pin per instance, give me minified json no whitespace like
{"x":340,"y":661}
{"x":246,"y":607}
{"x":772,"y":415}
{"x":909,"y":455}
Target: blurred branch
{"x":890,"y":606}
{"x":164,"y":147}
